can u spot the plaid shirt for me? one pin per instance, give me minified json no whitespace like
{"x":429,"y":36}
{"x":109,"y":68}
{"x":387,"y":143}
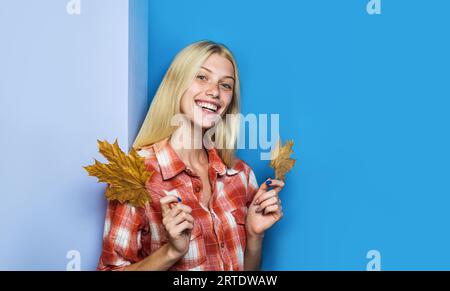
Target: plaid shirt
{"x":218,"y":239}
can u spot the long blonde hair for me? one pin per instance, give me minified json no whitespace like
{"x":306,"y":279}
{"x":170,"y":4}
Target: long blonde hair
{"x":166,"y":103}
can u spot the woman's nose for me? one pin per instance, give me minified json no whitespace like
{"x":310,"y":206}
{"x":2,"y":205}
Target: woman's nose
{"x":213,"y":90}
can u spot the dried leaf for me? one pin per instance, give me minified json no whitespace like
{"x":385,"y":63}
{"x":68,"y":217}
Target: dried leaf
{"x":281,"y":160}
{"x":125,"y":174}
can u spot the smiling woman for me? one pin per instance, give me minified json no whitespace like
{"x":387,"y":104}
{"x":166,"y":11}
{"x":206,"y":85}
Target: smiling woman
{"x":207,"y":211}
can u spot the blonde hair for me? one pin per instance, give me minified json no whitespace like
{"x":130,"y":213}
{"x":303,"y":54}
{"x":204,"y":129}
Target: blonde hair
{"x":166,"y":103}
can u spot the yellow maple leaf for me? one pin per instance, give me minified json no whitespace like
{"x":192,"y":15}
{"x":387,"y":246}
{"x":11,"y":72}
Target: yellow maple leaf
{"x":126,"y":175}
{"x":281,"y":160}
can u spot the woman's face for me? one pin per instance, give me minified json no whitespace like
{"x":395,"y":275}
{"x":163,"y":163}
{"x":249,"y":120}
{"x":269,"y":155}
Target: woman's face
{"x":208,"y":96}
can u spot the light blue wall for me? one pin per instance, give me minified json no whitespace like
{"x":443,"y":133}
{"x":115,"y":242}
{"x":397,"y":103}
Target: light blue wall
{"x":64,"y":82}
{"x":366,"y":100}
{"x":139,"y":100}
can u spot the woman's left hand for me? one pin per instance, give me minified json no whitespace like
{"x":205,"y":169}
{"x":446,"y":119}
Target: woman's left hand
{"x":265,"y":209}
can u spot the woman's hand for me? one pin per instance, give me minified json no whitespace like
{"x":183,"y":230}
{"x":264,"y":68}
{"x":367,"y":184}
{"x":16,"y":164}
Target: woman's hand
{"x":265,"y":209}
{"x":178,"y":221}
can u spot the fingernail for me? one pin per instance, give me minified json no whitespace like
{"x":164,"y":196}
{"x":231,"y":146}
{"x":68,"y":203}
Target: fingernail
{"x":179,"y":199}
{"x":256,"y":202}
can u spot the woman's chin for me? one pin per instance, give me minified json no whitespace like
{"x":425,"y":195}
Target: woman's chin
{"x":206,"y":123}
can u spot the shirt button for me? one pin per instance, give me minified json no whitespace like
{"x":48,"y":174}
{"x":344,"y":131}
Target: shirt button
{"x":222,"y":245}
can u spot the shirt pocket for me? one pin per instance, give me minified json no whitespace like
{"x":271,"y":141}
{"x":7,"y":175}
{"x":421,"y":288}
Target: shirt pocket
{"x":240,"y":215}
{"x":196,"y":254}
{"x":166,"y":189}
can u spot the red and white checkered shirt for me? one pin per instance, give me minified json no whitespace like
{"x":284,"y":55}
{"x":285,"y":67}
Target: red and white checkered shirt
{"x":218,"y":239}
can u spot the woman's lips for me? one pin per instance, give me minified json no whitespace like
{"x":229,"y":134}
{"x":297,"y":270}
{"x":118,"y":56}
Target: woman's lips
{"x":207,"y":107}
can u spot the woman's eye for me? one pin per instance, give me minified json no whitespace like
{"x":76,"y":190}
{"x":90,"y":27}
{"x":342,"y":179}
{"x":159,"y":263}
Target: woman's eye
{"x":201,"y":77}
{"x":226,"y":86}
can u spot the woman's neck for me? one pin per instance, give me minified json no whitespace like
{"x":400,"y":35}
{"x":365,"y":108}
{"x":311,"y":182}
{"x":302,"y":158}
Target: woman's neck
{"x":187,"y":141}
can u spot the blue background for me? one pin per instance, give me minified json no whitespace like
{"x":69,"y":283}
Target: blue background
{"x":364,"y":97}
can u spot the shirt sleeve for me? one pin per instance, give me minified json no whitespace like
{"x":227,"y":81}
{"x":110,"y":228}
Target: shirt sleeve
{"x":121,"y":236}
{"x":252,"y":187}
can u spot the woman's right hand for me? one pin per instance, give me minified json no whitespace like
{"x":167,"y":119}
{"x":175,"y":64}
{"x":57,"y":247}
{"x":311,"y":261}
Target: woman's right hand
{"x":178,"y":222}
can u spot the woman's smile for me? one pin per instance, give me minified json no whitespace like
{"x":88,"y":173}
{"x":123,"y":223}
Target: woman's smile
{"x":208,"y":106}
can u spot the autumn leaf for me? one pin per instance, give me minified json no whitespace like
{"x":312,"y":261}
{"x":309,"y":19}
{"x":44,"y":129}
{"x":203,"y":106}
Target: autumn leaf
{"x":281,"y":160}
{"x":126,"y":175}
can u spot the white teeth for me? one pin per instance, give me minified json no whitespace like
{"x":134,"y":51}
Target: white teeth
{"x":207,"y":105}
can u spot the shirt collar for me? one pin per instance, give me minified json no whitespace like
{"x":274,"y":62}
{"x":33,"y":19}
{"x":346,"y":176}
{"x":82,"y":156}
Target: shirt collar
{"x":215,"y":161}
{"x":171,"y":165}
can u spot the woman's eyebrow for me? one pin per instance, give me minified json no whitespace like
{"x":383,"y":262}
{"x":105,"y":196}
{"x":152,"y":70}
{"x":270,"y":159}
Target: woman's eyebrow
{"x":205,"y":68}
